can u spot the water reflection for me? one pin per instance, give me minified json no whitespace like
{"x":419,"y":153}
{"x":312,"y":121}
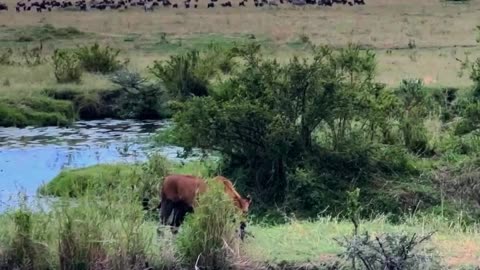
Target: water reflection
{"x":30,"y":157}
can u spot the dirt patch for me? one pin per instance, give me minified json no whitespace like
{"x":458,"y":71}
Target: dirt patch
{"x":459,"y":253}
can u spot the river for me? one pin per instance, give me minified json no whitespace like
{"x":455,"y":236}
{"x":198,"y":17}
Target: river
{"x":32,"y":156}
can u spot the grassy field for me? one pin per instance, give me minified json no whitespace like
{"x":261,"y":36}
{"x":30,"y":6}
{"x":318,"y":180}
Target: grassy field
{"x":425,"y":37}
{"x":314,"y":241}
{"x":411,"y":40}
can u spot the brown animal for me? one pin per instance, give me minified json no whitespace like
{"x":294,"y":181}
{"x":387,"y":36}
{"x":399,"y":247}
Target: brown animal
{"x":179,"y":196}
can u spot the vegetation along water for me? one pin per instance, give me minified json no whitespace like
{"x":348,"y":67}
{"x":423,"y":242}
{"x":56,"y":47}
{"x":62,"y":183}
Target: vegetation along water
{"x":354,"y":128}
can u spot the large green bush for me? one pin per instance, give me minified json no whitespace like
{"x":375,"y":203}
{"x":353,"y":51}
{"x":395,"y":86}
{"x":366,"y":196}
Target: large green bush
{"x":269,"y":120}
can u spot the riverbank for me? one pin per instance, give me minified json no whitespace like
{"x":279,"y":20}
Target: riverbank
{"x":106,"y":222}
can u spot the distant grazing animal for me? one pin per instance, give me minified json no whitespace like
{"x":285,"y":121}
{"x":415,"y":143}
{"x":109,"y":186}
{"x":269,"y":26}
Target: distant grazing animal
{"x":272,"y":3}
{"x":179,"y":197}
{"x":227,"y":4}
{"x":148,"y":6}
{"x":3,"y":6}
{"x":211,"y":5}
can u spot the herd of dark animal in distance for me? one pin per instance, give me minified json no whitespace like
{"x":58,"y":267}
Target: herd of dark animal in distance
{"x":149,"y":5}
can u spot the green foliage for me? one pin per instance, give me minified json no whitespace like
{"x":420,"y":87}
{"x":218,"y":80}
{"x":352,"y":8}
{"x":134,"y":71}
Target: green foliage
{"x":35,"y":111}
{"x":274,"y":123}
{"x":391,"y":251}
{"x":445,"y":102}
{"x":6,"y":57}
{"x":139,"y":99}
{"x":95,"y":180}
{"x":67,"y":68}
{"x":33,"y":56}
{"x":99,"y":59}
{"x":471,"y":120}
{"x":208,"y":236}
{"x":414,"y":104}
{"x":189,"y":74}
{"x":23,"y":251}
{"x":140,"y":180}
{"x":354,"y":208}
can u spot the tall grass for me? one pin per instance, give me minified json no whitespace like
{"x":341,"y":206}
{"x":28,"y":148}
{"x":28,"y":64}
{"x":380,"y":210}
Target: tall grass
{"x":208,"y":239}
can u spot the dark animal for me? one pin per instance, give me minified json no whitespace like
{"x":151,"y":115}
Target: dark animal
{"x":3,"y":6}
{"x":179,"y":197}
{"x":211,"y":5}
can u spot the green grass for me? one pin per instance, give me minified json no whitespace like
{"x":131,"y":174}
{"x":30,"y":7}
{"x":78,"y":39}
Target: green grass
{"x":105,"y":178}
{"x":313,"y":241}
{"x":118,"y":229}
{"x":35,"y":111}
{"x":98,"y":179}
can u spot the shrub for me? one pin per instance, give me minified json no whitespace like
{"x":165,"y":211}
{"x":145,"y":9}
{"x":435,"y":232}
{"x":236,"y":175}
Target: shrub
{"x":33,"y":56}
{"x":139,"y":99}
{"x":6,"y":57}
{"x":414,"y":103}
{"x":208,"y":237}
{"x":67,"y":67}
{"x":99,"y":59}
{"x":390,"y":252}
{"x":190,"y":74}
{"x":180,"y":75}
{"x":471,"y":119}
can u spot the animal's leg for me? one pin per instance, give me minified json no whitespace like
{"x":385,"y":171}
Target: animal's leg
{"x":166,"y":208}
{"x":181,"y":209}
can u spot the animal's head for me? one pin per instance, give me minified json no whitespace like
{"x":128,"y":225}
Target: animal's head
{"x":244,"y":204}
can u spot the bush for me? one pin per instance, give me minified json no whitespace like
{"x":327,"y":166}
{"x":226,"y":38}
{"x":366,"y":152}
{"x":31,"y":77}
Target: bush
{"x":6,"y":57}
{"x":414,"y":103}
{"x":389,"y":252}
{"x":139,"y":99}
{"x":190,"y":74}
{"x":180,"y":75}
{"x":208,"y":239}
{"x":99,"y":59}
{"x":471,"y":119}
{"x":67,"y":67}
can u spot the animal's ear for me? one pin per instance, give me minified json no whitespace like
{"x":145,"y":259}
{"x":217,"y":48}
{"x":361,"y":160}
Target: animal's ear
{"x":249,"y":198}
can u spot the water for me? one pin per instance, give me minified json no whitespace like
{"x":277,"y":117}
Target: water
{"x":31,"y":156}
